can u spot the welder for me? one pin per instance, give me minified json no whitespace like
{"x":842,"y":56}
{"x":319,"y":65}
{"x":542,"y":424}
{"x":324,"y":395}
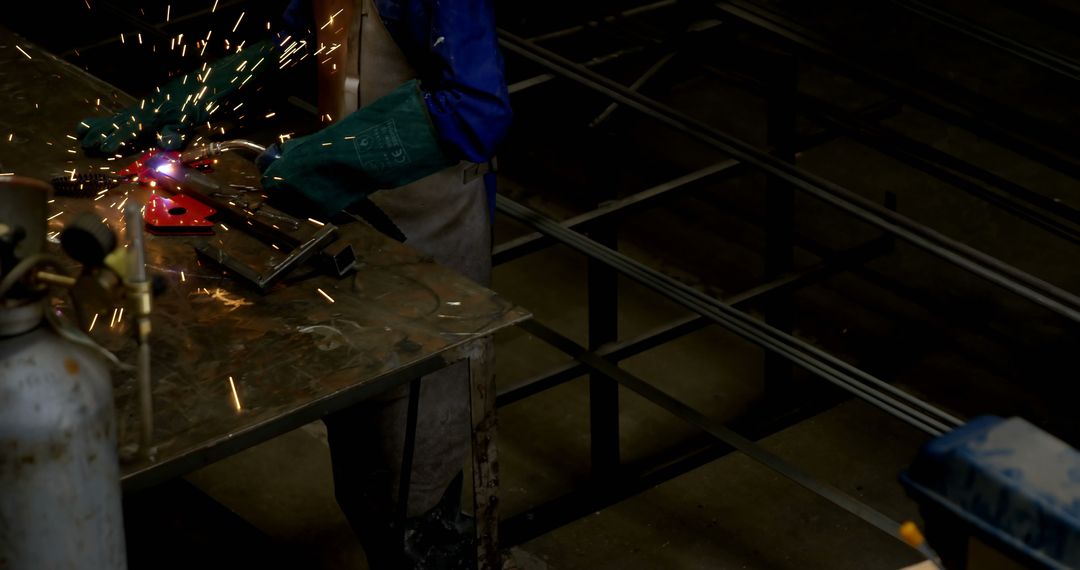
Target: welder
{"x":417,"y":100}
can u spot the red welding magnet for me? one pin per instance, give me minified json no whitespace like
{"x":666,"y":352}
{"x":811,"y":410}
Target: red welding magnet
{"x":179,"y":215}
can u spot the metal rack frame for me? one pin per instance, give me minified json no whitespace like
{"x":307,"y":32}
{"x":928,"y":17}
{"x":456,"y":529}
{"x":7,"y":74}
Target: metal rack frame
{"x":595,"y":233}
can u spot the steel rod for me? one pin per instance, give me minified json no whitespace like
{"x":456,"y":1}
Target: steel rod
{"x":716,"y":429}
{"x":875,"y":391}
{"x":567,"y":371}
{"x":1023,"y":284}
{"x":605,"y":20}
{"x":1053,"y":62}
{"x":523,"y":245}
{"x":930,"y":94}
{"x":1035,"y":208}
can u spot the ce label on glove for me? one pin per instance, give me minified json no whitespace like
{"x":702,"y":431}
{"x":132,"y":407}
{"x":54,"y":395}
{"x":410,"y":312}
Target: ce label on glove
{"x":379,"y":148}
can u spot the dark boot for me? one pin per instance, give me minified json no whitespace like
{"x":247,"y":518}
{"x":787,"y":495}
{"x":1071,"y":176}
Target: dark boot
{"x":442,"y":538}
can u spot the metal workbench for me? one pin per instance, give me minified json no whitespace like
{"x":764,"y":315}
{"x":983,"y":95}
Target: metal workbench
{"x":233,"y":367}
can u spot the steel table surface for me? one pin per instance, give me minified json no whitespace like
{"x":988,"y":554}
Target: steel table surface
{"x":292,"y":354}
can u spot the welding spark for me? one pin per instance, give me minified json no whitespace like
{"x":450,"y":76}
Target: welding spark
{"x":168,"y":11}
{"x":215,"y":7}
{"x":323,"y":293}
{"x":139,"y":35}
{"x":112,"y":321}
{"x":54,"y":215}
{"x":238,"y":22}
{"x":224,"y":227}
{"x":316,"y":222}
{"x":331,"y":20}
{"x":122,"y":38}
{"x":121,"y":315}
{"x":235,"y":396}
{"x":92,"y":323}
{"x":271,"y":114}
{"x":87,"y":4}
{"x":182,"y":278}
{"x":23,"y":52}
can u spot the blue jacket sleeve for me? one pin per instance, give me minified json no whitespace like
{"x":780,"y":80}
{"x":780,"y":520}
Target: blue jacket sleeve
{"x":454,"y":46}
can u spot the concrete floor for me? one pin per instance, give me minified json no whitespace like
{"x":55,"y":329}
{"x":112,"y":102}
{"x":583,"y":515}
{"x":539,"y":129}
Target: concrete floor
{"x":273,"y":505}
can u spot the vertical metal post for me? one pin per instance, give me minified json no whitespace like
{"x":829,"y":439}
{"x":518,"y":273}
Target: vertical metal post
{"x":484,"y":453}
{"x":603,"y":293}
{"x":779,"y":205}
{"x":407,"y":453}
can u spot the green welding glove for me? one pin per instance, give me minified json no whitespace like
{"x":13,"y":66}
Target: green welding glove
{"x":388,"y":143}
{"x":171,"y":112}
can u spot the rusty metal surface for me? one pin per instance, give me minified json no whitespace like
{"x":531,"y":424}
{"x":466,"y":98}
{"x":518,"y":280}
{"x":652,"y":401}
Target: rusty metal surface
{"x":232,"y":367}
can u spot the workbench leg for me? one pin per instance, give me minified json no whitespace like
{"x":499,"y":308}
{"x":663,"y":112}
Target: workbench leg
{"x":407,"y":453}
{"x":484,"y":454}
{"x":780,"y":215}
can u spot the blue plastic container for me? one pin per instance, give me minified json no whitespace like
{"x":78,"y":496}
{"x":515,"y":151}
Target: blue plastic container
{"x":1005,"y":482}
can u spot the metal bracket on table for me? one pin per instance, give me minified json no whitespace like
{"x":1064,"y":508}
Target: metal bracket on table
{"x":339,"y":254}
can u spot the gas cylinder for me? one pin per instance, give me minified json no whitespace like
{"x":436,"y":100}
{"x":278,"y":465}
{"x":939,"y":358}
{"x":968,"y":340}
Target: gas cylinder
{"x":60,"y":501}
